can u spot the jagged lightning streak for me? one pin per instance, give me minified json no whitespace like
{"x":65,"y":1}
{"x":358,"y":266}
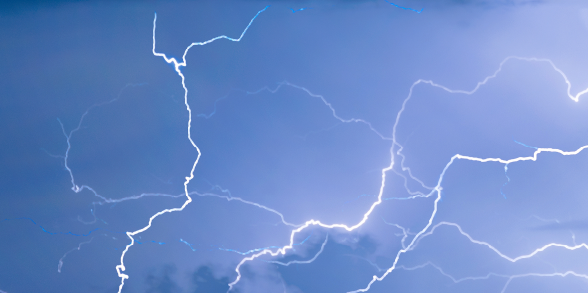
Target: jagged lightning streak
{"x":68,"y":136}
{"x":405,"y":8}
{"x":405,"y":232}
{"x":60,"y":264}
{"x":230,"y":197}
{"x":79,"y":188}
{"x":260,"y":249}
{"x":239,"y":252}
{"x":437,"y":189}
{"x":369,"y":261}
{"x":282,"y":251}
{"x":567,"y":273}
{"x":303,"y":261}
{"x":422,"y":233}
{"x":574,"y":98}
{"x":307,"y":91}
{"x":121,"y":268}
{"x":487,"y":276}
{"x":502,"y":255}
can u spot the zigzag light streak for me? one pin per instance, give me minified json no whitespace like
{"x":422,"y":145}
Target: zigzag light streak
{"x":239,"y":252}
{"x":231,"y":198}
{"x":369,"y":261}
{"x":327,"y":103}
{"x":502,"y":255}
{"x":282,"y":251}
{"x":478,"y":85}
{"x":75,"y":187}
{"x":60,"y":264}
{"x":567,"y":273}
{"x":436,"y":189}
{"x":307,"y":91}
{"x":405,"y":232}
{"x":304,"y":261}
{"x":487,"y":276}
{"x":121,"y":268}
{"x":260,"y":249}
{"x":542,"y":219}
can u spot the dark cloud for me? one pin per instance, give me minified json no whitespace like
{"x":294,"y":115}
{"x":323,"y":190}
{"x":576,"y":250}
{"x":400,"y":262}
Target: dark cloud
{"x":205,"y":281}
{"x":161,"y":281}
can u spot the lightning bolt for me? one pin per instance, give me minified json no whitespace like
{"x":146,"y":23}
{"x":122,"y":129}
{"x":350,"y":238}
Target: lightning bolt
{"x":60,"y":264}
{"x":502,"y":255}
{"x":260,"y":249}
{"x":487,"y":276}
{"x":282,"y":251}
{"x":304,"y":261}
{"x":229,"y":197}
{"x":177,"y":65}
{"x":75,"y":187}
{"x":434,"y":190}
{"x":282,"y":84}
{"x":405,"y":232}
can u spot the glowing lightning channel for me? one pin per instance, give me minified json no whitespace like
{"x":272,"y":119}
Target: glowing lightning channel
{"x":405,"y":232}
{"x":68,"y":136}
{"x":507,"y":181}
{"x":502,"y":255}
{"x":437,"y":189}
{"x":322,"y":98}
{"x":60,"y":264}
{"x":121,"y":268}
{"x":230,"y":197}
{"x":574,"y":98}
{"x":260,"y":249}
{"x":304,"y":261}
{"x":77,"y":188}
{"x":369,"y":261}
{"x":487,"y":276}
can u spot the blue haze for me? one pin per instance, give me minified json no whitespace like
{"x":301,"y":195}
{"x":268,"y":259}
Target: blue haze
{"x":273,"y":116}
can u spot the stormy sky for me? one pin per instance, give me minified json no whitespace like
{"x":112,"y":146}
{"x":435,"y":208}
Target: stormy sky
{"x":437,"y":146}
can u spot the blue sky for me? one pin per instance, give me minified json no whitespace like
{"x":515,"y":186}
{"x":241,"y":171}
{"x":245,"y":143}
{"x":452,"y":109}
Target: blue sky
{"x":355,"y":114}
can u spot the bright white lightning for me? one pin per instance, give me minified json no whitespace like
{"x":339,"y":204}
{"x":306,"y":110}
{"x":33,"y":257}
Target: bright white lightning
{"x":487,"y":276}
{"x":68,"y":136}
{"x":121,"y":268}
{"x":437,"y":189}
{"x":369,"y":261}
{"x":405,"y":232}
{"x":333,"y":112}
{"x":502,"y":255}
{"x":231,"y":198}
{"x":303,"y":261}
